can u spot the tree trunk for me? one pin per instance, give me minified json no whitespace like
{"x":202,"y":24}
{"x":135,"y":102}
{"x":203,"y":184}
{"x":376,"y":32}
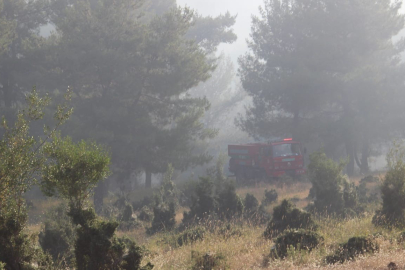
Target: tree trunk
{"x":350,"y":154}
{"x":148,"y":179}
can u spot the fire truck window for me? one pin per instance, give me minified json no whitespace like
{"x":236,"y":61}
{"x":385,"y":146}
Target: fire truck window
{"x":282,"y":150}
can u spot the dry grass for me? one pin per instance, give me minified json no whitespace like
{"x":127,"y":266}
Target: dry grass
{"x":250,"y":250}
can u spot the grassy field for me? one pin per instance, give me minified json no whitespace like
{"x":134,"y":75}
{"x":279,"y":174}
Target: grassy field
{"x":248,"y":249}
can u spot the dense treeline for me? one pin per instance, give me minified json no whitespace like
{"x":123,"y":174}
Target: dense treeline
{"x":326,"y":71}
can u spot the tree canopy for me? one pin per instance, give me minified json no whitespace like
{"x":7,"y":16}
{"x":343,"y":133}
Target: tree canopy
{"x":131,"y":76}
{"x":324,"y":70}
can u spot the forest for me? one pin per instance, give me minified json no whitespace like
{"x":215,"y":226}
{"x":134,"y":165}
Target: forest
{"x":118,"y":117}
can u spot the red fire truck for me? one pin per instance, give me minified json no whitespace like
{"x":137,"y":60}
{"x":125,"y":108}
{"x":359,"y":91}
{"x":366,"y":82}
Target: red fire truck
{"x":273,"y":159}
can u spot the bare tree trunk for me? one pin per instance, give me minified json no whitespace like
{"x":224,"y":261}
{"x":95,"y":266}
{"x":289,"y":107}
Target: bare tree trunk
{"x":148,"y":179}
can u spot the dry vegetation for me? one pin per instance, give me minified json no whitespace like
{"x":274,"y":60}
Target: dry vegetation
{"x":248,"y":249}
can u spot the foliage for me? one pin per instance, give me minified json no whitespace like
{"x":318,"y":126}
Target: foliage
{"x":72,"y":172}
{"x":203,"y":202}
{"x":74,"y":169}
{"x":126,"y":220}
{"x":323,"y":72}
{"x":58,"y":234}
{"x":164,"y":209}
{"x":97,"y":248}
{"x":145,"y":214}
{"x":285,"y":216}
{"x":144,"y":67}
{"x":354,"y":247}
{"x":191,"y":235}
{"x":208,"y":261}
{"x":230,"y":205}
{"x":251,"y":204}
{"x":21,"y":160}
{"x":19,"y":50}
{"x":163,"y":219}
{"x":229,"y":230}
{"x":392,"y":212}
{"x":331,"y":191}
{"x":214,"y":196}
{"x":270,"y":196}
{"x":297,"y":239}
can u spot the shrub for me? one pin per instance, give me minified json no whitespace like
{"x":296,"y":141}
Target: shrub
{"x":230,"y":204}
{"x":145,"y":214}
{"x":127,"y":221}
{"x":286,"y":216}
{"x":270,"y":196}
{"x":97,"y":248}
{"x":191,"y":235}
{"x":164,"y":210}
{"x":251,"y":203}
{"x":392,"y":212}
{"x":229,"y":231}
{"x":57,"y":236}
{"x":203,"y":202}
{"x":330,"y":189}
{"x":355,"y":246}
{"x":297,"y":239}
{"x":208,"y":261}
{"x":163,"y":218}
{"x":145,"y":202}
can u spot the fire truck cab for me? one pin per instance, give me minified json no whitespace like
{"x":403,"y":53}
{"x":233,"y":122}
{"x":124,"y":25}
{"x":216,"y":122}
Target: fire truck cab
{"x":274,"y":159}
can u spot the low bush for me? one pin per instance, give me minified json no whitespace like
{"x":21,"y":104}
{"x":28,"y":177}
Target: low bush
{"x":286,"y":216}
{"x":354,"y":247}
{"x":270,"y":196}
{"x":297,"y":239}
{"x":208,"y":261}
{"x":164,"y":209}
{"x":191,"y":235}
{"x":228,"y":231}
{"x":331,"y":191}
{"x":146,"y":214}
{"x":57,"y":236}
{"x":392,"y":212}
{"x":230,"y":205}
{"x":251,"y":204}
{"x":126,"y":219}
{"x":163,"y":218}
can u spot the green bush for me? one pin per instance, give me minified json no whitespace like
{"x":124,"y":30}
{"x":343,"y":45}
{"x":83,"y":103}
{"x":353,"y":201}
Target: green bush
{"x":163,"y":218}
{"x":126,"y":220}
{"x":330,"y":189}
{"x":145,"y":214}
{"x":98,"y":248}
{"x":230,"y":205}
{"x":354,"y":247}
{"x":270,"y":196}
{"x":203,"y":201}
{"x":297,"y":239}
{"x":208,"y":261}
{"x":392,"y":212}
{"x":191,"y":235}
{"x":57,"y":236}
{"x":228,"y":231}
{"x":251,"y":203}
{"x":286,"y":216}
